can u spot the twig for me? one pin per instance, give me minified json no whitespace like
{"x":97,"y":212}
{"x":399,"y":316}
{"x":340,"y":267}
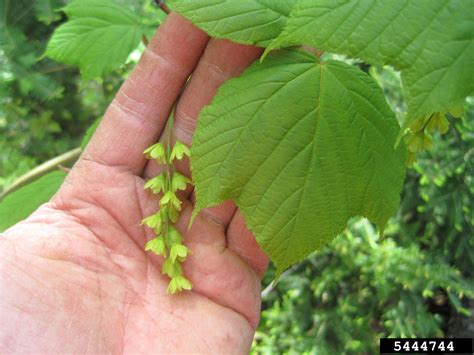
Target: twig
{"x":162,"y":5}
{"x":41,"y":170}
{"x":64,"y":168}
{"x":54,"y":69}
{"x":318,"y":53}
{"x":273,"y":284}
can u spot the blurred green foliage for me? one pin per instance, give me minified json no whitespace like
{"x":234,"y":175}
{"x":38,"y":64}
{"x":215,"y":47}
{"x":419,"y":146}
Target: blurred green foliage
{"x":24,"y":201}
{"x":45,"y":106}
{"x":416,"y":280}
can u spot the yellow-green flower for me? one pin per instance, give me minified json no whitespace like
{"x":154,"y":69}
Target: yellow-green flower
{"x":154,"y":221}
{"x":170,"y":199}
{"x":178,"y":251}
{"x":178,"y":182}
{"x":157,"y":152}
{"x":179,"y":151}
{"x":156,"y":184}
{"x":171,"y":269}
{"x":156,"y":245}
{"x":179,"y":283}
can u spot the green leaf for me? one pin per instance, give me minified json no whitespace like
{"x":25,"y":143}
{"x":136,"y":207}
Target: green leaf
{"x":430,"y":42}
{"x":98,"y":37}
{"x":301,"y":146}
{"x":21,"y":203}
{"x":90,"y":132}
{"x":248,"y":21}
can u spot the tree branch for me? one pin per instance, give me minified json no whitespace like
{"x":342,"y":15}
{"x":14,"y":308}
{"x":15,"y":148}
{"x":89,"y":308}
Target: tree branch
{"x":42,"y":169}
{"x":162,"y":5}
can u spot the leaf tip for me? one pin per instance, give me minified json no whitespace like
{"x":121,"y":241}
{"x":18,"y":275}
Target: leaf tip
{"x":264,"y":54}
{"x":196,"y":211}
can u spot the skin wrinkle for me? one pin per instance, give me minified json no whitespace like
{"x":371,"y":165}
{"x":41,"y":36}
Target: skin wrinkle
{"x":94,"y":272}
{"x":70,"y":320}
{"x":159,"y":58}
{"x":121,"y":169}
{"x":99,"y":288}
{"x":80,"y":220}
{"x":125,"y":317}
{"x":27,"y":274}
{"x":192,"y":326}
{"x":184,"y":131}
{"x":209,"y":274}
{"x":131,"y":111}
{"x":123,"y":275}
{"x":174,"y":313}
{"x":94,"y":203}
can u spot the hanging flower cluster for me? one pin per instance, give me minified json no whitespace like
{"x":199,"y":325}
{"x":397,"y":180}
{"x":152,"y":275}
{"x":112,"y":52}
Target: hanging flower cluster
{"x":168,"y":242}
{"x":419,"y":136}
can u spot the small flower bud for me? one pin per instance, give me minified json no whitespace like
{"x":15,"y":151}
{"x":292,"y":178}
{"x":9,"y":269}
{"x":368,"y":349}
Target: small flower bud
{"x":415,"y":142}
{"x":175,"y":236}
{"x":156,"y":245}
{"x":179,"y":151}
{"x":154,"y":221}
{"x":178,"y":182}
{"x":156,"y":184}
{"x":171,"y":269}
{"x":170,"y":199}
{"x":157,"y":152}
{"x":411,"y":158}
{"x":178,"y":250}
{"x":457,"y":111}
{"x":178,"y":284}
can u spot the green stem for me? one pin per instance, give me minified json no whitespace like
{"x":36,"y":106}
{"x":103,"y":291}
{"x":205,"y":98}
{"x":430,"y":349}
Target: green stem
{"x":168,"y":170}
{"x":48,"y":166}
{"x":426,"y":123}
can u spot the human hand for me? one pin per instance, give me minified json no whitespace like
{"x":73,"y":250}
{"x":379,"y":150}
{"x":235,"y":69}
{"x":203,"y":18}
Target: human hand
{"x":75,"y":277}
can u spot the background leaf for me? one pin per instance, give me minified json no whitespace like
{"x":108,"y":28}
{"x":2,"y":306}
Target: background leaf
{"x":90,"y":131}
{"x":248,"y":22}
{"x":431,"y":42}
{"x":313,"y":146}
{"x":21,"y":203}
{"x":98,"y":37}
{"x":46,"y":10}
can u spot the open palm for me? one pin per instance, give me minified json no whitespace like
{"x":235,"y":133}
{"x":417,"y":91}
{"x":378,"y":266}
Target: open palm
{"x":74,"y":276}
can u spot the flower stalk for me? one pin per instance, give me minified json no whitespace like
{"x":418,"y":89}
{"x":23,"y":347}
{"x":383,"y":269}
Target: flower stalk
{"x":419,"y":134}
{"x":168,"y":241}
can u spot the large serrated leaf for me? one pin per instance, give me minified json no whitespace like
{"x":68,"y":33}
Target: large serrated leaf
{"x":247,"y":21}
{"x":301,"y":146}
{"x":21,"y":203}
{"x":98,"y":37}
{"x":431,"y":42}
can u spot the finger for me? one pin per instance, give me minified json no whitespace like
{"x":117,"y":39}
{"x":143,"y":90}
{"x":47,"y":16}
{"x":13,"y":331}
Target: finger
{"x":141,"y":108}
{"x":243,"y":243}
{"x":221,"y":214}
{"x":217,"y":272}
